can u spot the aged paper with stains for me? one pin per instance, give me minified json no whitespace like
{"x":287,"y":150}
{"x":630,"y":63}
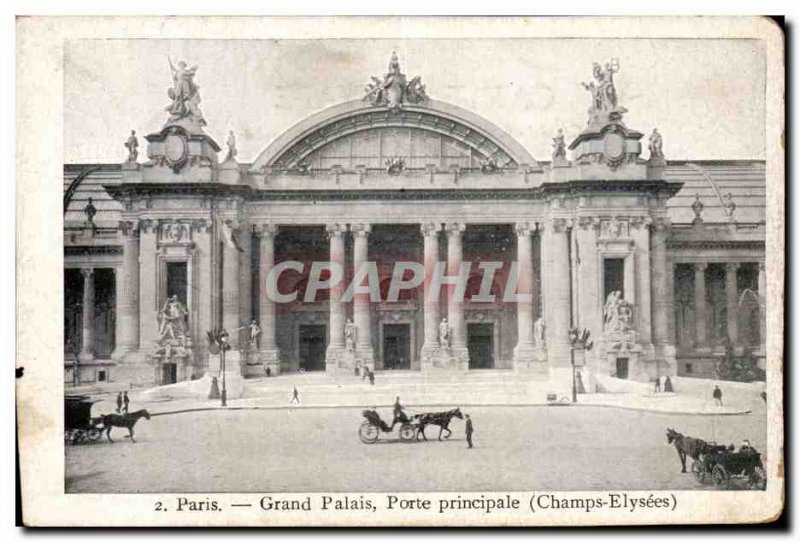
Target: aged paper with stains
{"x":400,"y":271}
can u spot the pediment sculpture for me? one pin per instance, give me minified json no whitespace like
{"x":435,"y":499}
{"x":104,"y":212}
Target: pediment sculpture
{"x":394,"y":89}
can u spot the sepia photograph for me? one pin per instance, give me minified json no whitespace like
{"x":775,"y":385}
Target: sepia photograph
{"x":356,"y":273}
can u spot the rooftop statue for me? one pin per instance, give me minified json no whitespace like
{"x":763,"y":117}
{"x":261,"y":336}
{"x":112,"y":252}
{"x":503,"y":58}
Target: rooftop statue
{"x":132,"y":144}
{"x":394,"y":90}
{"x":559,"y":146}
{"x":655,"y":145}
{"x":604,"y":107}
{"x":185,"y":94}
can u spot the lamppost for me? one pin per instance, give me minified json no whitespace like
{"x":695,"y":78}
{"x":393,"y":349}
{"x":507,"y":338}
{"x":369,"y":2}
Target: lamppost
{"x":578,"y":338}
{"x":224,"y":346}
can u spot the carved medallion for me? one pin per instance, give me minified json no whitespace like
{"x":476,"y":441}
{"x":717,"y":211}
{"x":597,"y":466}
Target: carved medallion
{"x":613,"y":149}
{"x":176,"y":151}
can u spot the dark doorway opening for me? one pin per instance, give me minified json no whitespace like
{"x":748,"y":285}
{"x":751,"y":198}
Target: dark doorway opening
{"x":613,"y":276}
{"x":480,"y":344}
{"x":176,"y":281}
{"x":397,"y":346}
{"x":622,"y":368}
{"x":312,"y":347}
{"x":169,"y":373}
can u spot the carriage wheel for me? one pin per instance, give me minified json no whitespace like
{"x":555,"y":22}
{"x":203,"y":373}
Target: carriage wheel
{"x":94,"y":434}
{"x":77,"y":436}
{"x":67,"y":436}
{"x":407,"y":432}
{"x":720,"y":476}
{"x":368,"y":433}
{"x":758,"y":479}
{"x":699,"y":470}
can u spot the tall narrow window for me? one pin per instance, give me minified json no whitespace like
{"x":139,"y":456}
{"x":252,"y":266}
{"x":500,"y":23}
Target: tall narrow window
{"x":613,"y":276}
{"x":176,"y":280}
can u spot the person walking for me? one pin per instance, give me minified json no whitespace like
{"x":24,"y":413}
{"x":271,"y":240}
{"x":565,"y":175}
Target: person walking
{"x":658,"y":385}
{"x":667,"y":385}
{"x":469,"y":430}
{"x":371,"y":377}
{"x":717,"y":395}
{"x":119,"y":402}
{"x":126,"y":402}
{"x":295,"y":396}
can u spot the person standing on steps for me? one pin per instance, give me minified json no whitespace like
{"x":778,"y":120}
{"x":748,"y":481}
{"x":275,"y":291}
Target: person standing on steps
{"x":717,"y":395}
{"x":469,"y":430}
{"x":295,"y":396}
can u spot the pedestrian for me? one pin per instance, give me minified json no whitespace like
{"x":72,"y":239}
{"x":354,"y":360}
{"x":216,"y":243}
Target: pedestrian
{"x":269,"y":371}
{"x":667,"y":385}
{"x":126,"y":402}
{"x":469,"y":430}
{"x":764,"y":396}
{"x":371,"y":377}
{"x":658,"y":384}
{"x":717,"y":395}
{"x":119,"y":402}
{"x":295,"y":396}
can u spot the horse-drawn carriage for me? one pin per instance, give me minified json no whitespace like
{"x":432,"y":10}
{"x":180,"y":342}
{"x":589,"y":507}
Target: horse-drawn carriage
{"x":720,"y":465}
{"x":79,"y":426}
{"x":410,"y":428}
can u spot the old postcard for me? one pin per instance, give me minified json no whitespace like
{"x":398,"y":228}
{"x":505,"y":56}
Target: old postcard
{"x":400,"y":272}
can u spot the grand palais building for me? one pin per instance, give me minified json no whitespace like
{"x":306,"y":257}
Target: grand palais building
{"x":663,"y":262}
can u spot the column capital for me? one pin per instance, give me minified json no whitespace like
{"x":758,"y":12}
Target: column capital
{"x":455,"y":229}
{"x":557,"y":225}
{"x":637,"y":222}
{"x":87,"y":272}
{"x":661,"y":224}
{"x":732,"y":267}
{"x":335,"y":230}
{"x":361,"y":229}
{"x":148,"y":225}
{"x":430,"y":228}
{"x":202,"y":225}
{"x":524,"y":229}
{"x":265,"y":230}
{"x":700,"y":267}
{"x":129,"y":228}
{"x":588,"y":222}
{"x":762,"y":266}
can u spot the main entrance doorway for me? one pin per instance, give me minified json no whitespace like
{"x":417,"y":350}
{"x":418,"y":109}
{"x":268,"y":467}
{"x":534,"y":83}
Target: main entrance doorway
{"x":622,"y":368}
{"x":169,"y":373}
{"x":312,"y":347}
{"x":397,"y":346}
{"x":480,"y":344}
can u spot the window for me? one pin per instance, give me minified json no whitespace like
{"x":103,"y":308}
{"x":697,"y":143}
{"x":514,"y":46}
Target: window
{"x":613,"y":276}
{"x":176,"y":280}
{"x":688,"y":368}
{"x":101,"y":376}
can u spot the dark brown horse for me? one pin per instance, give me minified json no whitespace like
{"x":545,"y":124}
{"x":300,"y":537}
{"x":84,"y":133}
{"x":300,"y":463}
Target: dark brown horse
{"x":686,"y":446}
{"x":442,"y":419}
{"x":122,"y":420}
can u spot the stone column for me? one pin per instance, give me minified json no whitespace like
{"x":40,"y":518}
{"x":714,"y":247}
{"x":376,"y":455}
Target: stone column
{"x":268,"y":350}
{"x":127,"y":293}
{"x":662,"y":295}
{"x":230,"y":293}
{"x":430,"y":307}
{"x":732,"y":302}
{"x":524,"y":351}
{"x":455,"y":303}
{"x":148,"y":300}
{"x":557,"y":309}
{"x":337,"y":308}
{"x":87,"y":323}
{"x":361,"y":302}
{"x":700,"y":310}
{"x":762,"y":307}
{"x":245,"y":239}
{"x":203,"y":285}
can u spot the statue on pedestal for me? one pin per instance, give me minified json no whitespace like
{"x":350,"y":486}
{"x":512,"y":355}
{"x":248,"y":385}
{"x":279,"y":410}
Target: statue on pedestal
{"x":655,"y":145}
{"x":254,"y":331}
{"x":444,"y":333}
{"x":604,"y":106}
{"x":618,"y":314}
{"x":393,"y":90}
{"x":538,"y":332}
{"x":350,"y":335}
{"x":185,"y":94}
{"x":230,"y":141}
{"x":172,"y":321}
{"x":559,"y":147}
{"x":90,"y":211}
{"x":132,"y":144}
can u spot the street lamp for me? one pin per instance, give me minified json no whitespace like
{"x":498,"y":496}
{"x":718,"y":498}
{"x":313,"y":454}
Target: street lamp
{"x":224,"y":346}
{"x":578,"y":338}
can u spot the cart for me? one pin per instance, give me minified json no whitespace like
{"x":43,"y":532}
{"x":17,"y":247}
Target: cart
{"x":79,"y":426}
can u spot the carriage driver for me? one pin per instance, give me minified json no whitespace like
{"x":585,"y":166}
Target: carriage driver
{"x":398,"y":414}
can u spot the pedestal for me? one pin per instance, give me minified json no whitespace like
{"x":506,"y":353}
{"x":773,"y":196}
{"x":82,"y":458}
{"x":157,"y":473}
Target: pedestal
{"x":445,"y":358}
{"x":232,"y":376}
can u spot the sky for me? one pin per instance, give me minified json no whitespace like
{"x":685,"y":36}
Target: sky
{"x":706,"y":97}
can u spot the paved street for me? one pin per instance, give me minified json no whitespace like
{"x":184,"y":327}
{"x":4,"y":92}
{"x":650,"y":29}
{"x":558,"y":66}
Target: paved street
{"x":517,"y":448}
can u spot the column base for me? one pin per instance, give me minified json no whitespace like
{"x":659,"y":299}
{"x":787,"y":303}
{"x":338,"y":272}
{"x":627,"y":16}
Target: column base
{"x":448,"y":358}
{"x":120,"y":352}
{"x":270,"y":359}
{"x":667,"y":362}
{"x":86,"y":357}
{"x":340,"y":360}
{"x":560,"y":384}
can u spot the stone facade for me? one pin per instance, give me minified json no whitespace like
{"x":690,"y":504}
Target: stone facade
{"x":403,"y":177}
